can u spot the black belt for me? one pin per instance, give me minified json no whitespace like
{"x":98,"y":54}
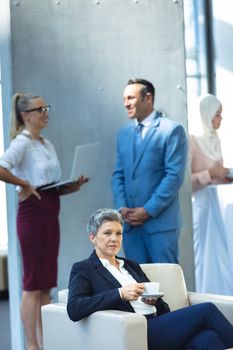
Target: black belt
{"x":41,"y":187}
{"x":149,"y":316}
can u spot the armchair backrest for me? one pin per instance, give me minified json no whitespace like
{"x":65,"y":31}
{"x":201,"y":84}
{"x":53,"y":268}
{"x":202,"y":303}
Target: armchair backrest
{"x":172,"y":283}
{"x":171,"y":280}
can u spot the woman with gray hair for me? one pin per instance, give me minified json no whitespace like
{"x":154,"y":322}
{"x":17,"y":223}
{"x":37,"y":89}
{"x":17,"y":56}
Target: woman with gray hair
{"x":31,"y":163}
{"x":101,"y":215}
{"x":105,"y":281}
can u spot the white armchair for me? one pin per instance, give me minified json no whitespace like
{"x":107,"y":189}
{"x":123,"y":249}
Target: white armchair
{"x":118,"y":330}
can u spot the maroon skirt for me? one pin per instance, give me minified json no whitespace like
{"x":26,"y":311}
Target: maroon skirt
{"x":39,"y":237}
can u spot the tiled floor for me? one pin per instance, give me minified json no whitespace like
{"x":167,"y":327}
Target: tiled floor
{"x":5,"y":343}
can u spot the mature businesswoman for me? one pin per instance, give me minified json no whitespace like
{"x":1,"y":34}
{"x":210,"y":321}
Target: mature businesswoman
{"x":30,"y":163}
{"x":105,"y":281}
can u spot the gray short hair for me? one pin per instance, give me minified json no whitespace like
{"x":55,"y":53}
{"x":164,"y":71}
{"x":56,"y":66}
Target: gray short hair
{"x":100,"y":216}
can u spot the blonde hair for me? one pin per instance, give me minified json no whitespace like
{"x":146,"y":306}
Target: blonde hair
{"x":20,"y":103}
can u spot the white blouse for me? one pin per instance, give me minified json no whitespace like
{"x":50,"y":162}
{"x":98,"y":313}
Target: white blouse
{"x":31,"y":160}
{"x":124,"y":278}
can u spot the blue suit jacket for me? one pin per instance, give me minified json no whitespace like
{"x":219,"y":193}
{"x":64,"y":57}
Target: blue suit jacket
{"x":93,"y":288}
{"x":153,"y":180}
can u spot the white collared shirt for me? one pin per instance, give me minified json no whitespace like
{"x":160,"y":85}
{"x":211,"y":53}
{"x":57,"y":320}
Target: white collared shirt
{"x":146,"y":123}
{"x":124,"y":278}
{"x":31,"y":160}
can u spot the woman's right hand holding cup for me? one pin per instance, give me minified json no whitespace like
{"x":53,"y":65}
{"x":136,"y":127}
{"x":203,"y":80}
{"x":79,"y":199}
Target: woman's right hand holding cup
{"x":132,"y":291}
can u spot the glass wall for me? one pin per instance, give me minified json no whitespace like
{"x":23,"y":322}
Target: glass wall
{"x":196,"y":56}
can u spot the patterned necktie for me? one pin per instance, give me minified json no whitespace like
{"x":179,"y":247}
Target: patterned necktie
{"x":138,"y":139}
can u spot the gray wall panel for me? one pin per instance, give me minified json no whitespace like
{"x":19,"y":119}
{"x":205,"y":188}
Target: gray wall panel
{"x":79,"y":54}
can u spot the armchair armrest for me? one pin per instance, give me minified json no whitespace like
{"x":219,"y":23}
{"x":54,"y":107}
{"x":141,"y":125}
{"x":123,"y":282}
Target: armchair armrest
{"x":115,"y":330}
{"x":223,"y":302}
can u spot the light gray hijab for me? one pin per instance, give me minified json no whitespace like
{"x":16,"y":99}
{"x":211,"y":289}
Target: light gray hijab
{"x":209,"y":141}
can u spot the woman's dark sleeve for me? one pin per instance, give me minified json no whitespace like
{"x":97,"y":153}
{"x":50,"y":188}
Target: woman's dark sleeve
{"x":82,"y":301}
{"x":162,"y":307}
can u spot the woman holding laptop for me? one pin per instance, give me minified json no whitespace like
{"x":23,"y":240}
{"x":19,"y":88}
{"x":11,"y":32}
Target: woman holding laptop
{"x":31,"y":163}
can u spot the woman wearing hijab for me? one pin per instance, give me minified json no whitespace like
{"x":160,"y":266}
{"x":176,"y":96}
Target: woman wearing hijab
{"x":207,"y":162}
{"x":207,"y":168}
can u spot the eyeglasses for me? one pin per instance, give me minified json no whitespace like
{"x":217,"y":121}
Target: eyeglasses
{"x":41,"y":110}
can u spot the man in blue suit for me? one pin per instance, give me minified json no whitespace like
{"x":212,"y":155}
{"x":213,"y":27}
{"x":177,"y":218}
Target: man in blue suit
{"x":149,"y":171}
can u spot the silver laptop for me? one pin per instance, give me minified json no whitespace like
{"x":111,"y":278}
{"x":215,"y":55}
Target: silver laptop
{"x":84,"y":163}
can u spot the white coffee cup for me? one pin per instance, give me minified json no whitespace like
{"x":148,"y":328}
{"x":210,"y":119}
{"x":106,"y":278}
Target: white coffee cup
{"x":151,"y":288}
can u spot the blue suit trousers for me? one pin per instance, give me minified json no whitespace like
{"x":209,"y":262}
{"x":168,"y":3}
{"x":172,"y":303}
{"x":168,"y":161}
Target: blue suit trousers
{"x":145,"y":248}
{"x":197,"y":327}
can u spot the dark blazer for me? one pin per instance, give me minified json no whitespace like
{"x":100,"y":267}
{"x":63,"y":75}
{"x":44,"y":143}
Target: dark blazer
{"x":93,"y":288}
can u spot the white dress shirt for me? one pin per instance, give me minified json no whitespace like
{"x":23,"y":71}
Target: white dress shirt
{"x":146,"y":123}
{"x":32,"y":160}
{"x":124,"y":278}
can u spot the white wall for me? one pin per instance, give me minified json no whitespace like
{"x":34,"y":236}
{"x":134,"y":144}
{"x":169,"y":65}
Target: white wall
{"x":14,"y":265}
{"x":3,"y":221}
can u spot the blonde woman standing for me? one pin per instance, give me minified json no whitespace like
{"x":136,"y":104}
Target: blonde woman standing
{"x":30,"y":163}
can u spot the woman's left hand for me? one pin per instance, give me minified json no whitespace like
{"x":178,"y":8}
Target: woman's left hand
{"x":74,"y":186}
{"x":81,"y":181}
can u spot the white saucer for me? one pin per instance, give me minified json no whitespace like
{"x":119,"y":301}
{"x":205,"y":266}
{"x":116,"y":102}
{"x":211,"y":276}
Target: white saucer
{"x":155,"y":295}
